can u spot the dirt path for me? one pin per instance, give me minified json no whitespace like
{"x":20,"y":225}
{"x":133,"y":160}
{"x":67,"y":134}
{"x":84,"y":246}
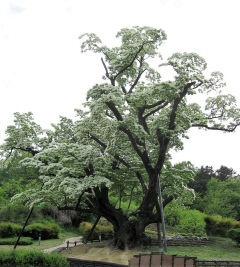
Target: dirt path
{"x":100,"y":252}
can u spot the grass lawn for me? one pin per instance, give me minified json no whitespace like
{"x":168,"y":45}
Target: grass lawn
{"x":66,"y":233}
{"x":220,"y":249}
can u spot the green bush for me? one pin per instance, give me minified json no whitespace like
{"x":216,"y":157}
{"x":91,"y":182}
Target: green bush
{"x":234,"y":234}
{"x":47,"y":231}
{"x":106,"y":232}
{"x":216,"y":225}
{"x":172,"y":215}
{"x":31,"y":259}
{"x":190,"y":222}
{"x":24,"y":241}
{"x":8,"y":229}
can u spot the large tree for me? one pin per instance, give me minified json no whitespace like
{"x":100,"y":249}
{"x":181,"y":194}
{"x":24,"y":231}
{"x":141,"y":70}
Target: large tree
{"x":123,"y":137}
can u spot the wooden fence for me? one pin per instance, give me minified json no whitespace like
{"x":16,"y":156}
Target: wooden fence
{"x":156,"y":260}
{"x":159,"y":259}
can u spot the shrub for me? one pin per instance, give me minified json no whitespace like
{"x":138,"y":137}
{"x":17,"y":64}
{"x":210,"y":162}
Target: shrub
{"x":24,"y":241}
{"x":192,"y":222}
{"x":106,"y":232}
{"x":84,"y":227}
{"x":172,"y":216}
{"x":31,"y":258}
{"x":8,"y":229}
{"x":185,"y":221}
{"x":234,"y":234}
{"x":216,"y":225}
{"x":47,"y":231}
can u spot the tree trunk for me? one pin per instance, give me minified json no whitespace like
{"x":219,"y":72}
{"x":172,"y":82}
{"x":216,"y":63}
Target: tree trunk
{"x":128,"y":231}
{"x":130,"y":234}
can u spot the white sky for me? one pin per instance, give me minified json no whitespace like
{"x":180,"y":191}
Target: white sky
{"x":43,"y":71}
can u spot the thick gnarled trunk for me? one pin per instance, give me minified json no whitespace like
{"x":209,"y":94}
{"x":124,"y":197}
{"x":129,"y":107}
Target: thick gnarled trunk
{"x":128,"y":230}
{"x":130,"y":234}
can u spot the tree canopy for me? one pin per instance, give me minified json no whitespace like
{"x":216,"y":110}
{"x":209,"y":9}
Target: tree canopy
{"x":125,"y":134}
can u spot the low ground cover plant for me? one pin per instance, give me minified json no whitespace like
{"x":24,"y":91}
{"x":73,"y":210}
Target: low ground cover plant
{"x":30,"y":259}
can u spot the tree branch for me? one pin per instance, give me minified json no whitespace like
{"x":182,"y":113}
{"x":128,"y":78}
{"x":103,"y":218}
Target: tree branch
{"x":156,"y":110}
{"x":139,"y":75}
{"x":144,"y":188}
{"x":118,"y":158}
{"x":216,"y":128}
{"x":28,"y":149}
{"x":130,"y":64}
{"x":79,"y":200}
{"x":142,"y":120}
{"x":115,"y":111}
{"x":154,"y":105}
{"x":136,"y":81}
{"x":163,"y":141}
{"x":143,"y":155}
{"x":107,"y":73}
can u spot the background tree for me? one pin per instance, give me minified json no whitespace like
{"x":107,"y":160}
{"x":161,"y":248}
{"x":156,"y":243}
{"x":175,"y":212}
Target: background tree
{"x":223,"y":173}
{"x":131,"y":123}
{"x":222,"y":198}
{"x":202,"y":177}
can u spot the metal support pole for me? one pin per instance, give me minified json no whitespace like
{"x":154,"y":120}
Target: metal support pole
{"x":28,"y":217}
{"x":159,"y":237}
{"x":19,"y":236}
{"x":162,"y":215}
{"x":91,"y":231}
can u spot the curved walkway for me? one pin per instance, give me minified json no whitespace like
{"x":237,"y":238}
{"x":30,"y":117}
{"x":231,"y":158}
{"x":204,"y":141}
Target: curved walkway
{"x":63,"y":246}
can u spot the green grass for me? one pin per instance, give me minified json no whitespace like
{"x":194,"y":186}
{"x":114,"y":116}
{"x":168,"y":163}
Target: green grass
{"x":12,"y":240}
{"x":220,"y":249}
{"x":66,"y":233}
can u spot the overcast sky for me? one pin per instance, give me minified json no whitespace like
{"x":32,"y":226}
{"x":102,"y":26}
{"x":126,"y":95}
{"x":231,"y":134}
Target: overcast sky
{"x":43,"y":71}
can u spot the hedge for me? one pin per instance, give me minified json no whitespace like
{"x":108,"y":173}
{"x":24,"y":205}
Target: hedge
{"x":8,"y":229}
{"x":31,"y":258}
{"x":47,"y":231}
{"x":24,"y":241}
{"x":219,"y":226}
{"x":234,"y":234}
{"x":106,"y":232}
